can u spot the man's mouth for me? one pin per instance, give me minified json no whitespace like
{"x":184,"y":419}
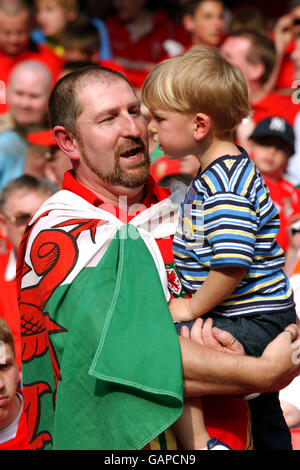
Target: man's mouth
{"x":135,"y":151}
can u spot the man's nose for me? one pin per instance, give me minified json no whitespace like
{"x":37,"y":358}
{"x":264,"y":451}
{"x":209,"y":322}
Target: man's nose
{"x":131,"y":125}
{"x":23,"y":101}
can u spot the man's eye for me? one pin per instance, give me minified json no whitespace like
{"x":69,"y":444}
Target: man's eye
{"x":135,"y":111}
{"x":107,"y":119}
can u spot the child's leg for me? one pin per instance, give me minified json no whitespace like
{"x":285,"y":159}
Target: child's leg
{"x":190,"y":427}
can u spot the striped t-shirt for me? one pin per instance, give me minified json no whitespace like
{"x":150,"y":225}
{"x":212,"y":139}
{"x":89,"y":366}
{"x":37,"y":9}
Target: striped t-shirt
{"x":228,"y":219}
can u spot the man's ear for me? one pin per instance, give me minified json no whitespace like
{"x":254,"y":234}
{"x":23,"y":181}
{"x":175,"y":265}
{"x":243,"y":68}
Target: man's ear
{"x":256,"y":72}
{"x":188,"y":23}
{"x":202,"y":126}
{"x":66,"y":142}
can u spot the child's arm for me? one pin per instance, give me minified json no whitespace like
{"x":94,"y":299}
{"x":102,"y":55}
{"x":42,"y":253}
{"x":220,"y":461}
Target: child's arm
{"x":218,"y":286}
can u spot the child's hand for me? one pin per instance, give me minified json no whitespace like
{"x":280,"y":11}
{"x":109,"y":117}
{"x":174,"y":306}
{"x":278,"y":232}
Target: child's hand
{"x":180,"y":309}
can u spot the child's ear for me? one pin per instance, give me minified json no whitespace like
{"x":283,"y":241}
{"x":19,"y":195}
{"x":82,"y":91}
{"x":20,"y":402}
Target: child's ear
{"x":202,"y":126}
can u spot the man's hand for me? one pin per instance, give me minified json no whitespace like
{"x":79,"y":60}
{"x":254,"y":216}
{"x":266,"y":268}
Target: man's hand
{"x":206,"y":334}
{"x":282,"y":358}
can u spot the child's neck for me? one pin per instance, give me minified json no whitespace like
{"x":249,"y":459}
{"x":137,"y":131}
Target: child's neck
{"x":217,"y":147}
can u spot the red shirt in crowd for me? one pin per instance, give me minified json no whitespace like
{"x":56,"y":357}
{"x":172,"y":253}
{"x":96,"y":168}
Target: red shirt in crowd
{"x":275,"y":104}
{"x":20,"y":441}
{"x":287,"y":200}
{"x":147,"y":50}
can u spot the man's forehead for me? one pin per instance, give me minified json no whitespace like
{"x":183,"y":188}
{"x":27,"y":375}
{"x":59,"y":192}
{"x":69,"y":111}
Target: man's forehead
{"x":6,"y":353}
{"x":100,"y":83}
{"x":15,"y":21}
{"x":21,"y":196}
{"x":104,"y":94}
{"x":235,"y":44}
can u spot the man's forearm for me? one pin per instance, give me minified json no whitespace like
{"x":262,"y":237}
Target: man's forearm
{"x":210,"y":372}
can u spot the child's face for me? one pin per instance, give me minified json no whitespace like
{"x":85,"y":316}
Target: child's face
{"x":51,"y":17}
{"x":173,"y":131}
{"x":270,"y":156}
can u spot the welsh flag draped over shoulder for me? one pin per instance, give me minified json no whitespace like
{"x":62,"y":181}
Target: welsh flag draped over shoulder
{"x":101,"y":357}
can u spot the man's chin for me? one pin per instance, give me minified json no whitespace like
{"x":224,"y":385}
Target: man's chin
{"x":135,"y":178}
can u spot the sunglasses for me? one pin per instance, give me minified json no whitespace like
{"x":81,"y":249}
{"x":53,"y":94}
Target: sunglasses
{"x":20,"y":219}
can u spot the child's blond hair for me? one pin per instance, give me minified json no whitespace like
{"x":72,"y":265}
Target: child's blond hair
{"x":200,"y":80}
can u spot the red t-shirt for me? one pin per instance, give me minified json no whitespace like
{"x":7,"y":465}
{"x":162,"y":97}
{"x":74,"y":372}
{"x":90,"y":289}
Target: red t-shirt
{"x":148,"y":49}
{"x":34,"y":52}
{"x":20,"y":441}
{"x":286,"y":73}
{"x":287,"y":200}
{"x":275,"y":104}
{"x":226,"y":417}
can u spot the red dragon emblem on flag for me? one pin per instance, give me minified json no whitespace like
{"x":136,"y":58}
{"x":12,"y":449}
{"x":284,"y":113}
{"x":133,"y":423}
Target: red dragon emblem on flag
{"x":36,"y":325}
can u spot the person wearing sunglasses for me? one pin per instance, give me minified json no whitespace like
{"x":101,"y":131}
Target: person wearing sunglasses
{"x":19,"y":200}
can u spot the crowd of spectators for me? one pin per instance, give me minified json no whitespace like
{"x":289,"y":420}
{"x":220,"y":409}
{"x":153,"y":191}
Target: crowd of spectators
{"x":41,"y":40}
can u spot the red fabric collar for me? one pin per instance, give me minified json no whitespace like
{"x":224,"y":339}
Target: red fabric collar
{"x":154,"y":193}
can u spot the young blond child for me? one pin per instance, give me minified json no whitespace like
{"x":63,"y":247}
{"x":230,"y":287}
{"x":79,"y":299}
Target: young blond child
{"x":52,"y":17}
{"x":224,"y":247}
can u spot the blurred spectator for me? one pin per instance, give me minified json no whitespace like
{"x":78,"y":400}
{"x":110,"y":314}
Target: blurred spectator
{"x":35,"y":160}
{"x":16,"y":46}
{"x":272,"y":144}
{"x":56,"y":162}
{"x":293,"y":169}
{"x":140,"y":38}
{"x":255,"y":55}
{"x":247,"y":19}
{"x":28,"y":91}
{"x":19,"y":200}
{"x":295,"y":58}
{"x":165,"y":171}
{"x":52,"y":17}
{"x":204,"y":21}
{"x":285,"y":30}
{"x":81,"y":43}
{"x":13,"y":430}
